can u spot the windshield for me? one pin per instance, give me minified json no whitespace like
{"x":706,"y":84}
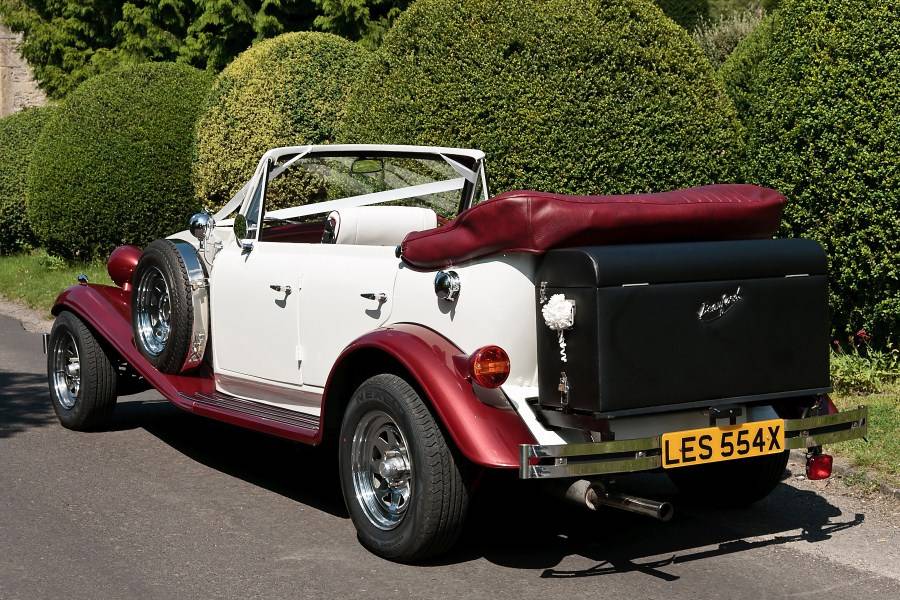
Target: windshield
{"x":317,"y":184}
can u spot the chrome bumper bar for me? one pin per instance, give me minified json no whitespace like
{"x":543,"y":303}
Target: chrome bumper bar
{"x":643,"y":454}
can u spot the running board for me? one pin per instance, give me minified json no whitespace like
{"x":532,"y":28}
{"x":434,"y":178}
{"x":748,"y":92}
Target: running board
{"x":256,"y":415}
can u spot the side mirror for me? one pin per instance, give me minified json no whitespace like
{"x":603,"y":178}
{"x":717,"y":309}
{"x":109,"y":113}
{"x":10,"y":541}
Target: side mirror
{"x":201,"y":226}
{"x":241,"y":232}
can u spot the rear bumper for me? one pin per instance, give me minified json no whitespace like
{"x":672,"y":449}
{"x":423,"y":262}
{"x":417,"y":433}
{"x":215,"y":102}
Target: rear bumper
{"x":643,"y":454}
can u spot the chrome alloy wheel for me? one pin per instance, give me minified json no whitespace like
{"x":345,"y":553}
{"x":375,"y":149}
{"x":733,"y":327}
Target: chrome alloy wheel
{"x":66,"y":370}
{"x":381,"y":469}
{"x":154,"y":311}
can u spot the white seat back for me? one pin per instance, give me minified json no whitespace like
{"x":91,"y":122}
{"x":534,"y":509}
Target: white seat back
{"x":379,"y":225}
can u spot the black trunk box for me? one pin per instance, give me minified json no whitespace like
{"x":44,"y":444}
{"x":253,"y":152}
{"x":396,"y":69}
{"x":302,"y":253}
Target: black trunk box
{"x":642,"y":343}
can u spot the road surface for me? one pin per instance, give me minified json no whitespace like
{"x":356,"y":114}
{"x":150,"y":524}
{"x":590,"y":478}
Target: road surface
{"x":164,"y":504}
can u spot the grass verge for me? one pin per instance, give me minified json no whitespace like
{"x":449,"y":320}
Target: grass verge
{"x":35,"y":279}
{"x":880,"y":456}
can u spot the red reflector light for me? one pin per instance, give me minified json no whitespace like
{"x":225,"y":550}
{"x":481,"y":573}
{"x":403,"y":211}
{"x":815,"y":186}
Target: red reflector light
{"x":489,"y":366}
{"x":818,"y":466}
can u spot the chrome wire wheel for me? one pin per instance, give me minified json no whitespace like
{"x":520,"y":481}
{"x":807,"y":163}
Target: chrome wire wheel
{"x":381,"y":469}
{"x":66,"y":371}
{"x":154,"y":311}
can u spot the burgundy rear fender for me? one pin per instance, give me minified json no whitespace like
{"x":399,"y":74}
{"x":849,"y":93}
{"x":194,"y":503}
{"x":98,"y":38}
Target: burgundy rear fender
{"x":486,"y":435}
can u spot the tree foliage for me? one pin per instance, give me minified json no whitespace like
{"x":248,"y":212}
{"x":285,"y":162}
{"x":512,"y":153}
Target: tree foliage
{"x":113,"y":164}
{"x":687,"y":13}
{"x":68,"y":41}
{"x":576,"y":96}
{"x":821,"y":112}
{"x":363,"y":20}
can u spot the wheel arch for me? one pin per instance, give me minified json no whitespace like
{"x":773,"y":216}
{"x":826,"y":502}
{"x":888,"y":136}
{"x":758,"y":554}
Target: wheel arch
{"x":485,"y":434}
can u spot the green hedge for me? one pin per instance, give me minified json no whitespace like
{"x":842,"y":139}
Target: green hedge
{"x":290,"y":90}
{"x":687,"y":13}
{"x":113,"y":165}
{"x":570,"y":96}
{"x":18,"y":134}
{"x":822,"y":122}
{"x":738,"y":70}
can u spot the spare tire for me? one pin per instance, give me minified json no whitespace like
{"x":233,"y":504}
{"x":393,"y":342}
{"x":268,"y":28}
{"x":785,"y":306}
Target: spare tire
{"x":168,"y":301}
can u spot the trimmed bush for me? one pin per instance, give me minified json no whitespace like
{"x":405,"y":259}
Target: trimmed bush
{"x":738,"y":70}
{"x":822,"y":122}
{"x":569,"y":96}
{"x":18,"y":134}
{"x":290,"y":90}
{"x":687,"y":13}
{"x":113,"y":165}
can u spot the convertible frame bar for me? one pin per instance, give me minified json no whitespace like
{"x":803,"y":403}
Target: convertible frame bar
{"x":644,"y":454}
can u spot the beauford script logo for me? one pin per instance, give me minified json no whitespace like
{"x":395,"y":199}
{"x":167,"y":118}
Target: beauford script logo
{"x":710,"y":311}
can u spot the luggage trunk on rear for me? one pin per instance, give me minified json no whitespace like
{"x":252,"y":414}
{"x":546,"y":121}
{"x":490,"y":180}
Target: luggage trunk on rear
{"x":672,"y":326}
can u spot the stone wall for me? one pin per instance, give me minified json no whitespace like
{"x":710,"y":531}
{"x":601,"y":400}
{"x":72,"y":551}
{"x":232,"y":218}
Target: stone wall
{"x":18,"y":89}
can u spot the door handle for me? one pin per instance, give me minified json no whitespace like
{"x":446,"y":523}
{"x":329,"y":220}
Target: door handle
{"x":281,"y":288}
{"x":380,"y":296}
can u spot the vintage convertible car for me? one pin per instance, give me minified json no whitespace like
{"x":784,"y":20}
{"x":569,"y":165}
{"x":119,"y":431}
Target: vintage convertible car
{"x":372,"y":298}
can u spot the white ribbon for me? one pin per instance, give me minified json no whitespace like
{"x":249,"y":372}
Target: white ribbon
{"x":559,"y":315}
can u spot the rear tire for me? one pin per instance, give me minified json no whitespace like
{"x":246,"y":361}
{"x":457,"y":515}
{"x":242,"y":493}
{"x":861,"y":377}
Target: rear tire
{"x":731,"y":484}
{"x":402,"y":484}
{"x":81,"y":375}
{"x":162,"y":314}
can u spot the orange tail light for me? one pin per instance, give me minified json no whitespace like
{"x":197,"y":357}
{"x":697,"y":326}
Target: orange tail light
{"x":489,"y":366}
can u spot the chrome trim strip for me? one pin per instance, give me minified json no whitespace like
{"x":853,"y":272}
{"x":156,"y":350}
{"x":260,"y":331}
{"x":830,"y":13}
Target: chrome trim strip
{"x":45,"y":341}
{"x":277,"y":414}
{"x":199,"y":302}
{"x":267,"y":392}
{"x":643,"y":454}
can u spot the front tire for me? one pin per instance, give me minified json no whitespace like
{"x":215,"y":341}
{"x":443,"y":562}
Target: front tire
{"x":81,"y":375}
{"x":402,"y":484}
{"x":734,"y":483}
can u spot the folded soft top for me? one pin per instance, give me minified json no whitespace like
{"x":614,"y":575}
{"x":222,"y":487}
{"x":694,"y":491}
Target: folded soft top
{"x":534,"y":222}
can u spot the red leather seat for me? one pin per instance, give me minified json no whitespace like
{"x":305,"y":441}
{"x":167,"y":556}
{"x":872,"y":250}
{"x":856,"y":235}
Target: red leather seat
{"x":534,"y":222}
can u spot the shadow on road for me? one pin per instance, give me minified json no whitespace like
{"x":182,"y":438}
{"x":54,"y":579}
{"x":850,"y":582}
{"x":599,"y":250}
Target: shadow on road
{"x":538,"y":533}
{"x":24,"y":402}
{"x":302,"y":473}
{"x":512,"y":524}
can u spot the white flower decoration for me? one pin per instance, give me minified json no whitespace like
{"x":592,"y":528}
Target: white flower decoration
{"x":559,"y":313}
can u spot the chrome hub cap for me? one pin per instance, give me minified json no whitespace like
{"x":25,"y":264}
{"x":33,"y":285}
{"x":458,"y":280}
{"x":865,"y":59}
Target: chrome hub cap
{"x":153,"y":311}
{"x":382,"y":470}
{"x":66,"y":370}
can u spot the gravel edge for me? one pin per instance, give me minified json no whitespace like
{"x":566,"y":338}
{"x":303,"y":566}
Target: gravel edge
{"x":843,"y":468}
{"x":33,"y":321}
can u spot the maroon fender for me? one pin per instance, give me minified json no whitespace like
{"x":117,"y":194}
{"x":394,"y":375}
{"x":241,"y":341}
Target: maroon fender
{"x":485,"y":434}
{"x":534,"y":222}
{"x":107,"y":310}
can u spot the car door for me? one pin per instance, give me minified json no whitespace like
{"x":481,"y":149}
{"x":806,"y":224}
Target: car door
{"x":255,"y":313}
{"x":347,"y":292}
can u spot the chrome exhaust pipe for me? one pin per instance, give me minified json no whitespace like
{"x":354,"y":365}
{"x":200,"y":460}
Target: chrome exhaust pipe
{"x":661,"y":511}
{"x":594,"y":495}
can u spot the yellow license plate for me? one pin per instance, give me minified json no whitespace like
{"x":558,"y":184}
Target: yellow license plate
{"x":714,"y":444}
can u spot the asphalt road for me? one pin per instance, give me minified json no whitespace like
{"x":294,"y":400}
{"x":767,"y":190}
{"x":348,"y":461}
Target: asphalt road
{"x":164,"y":504}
